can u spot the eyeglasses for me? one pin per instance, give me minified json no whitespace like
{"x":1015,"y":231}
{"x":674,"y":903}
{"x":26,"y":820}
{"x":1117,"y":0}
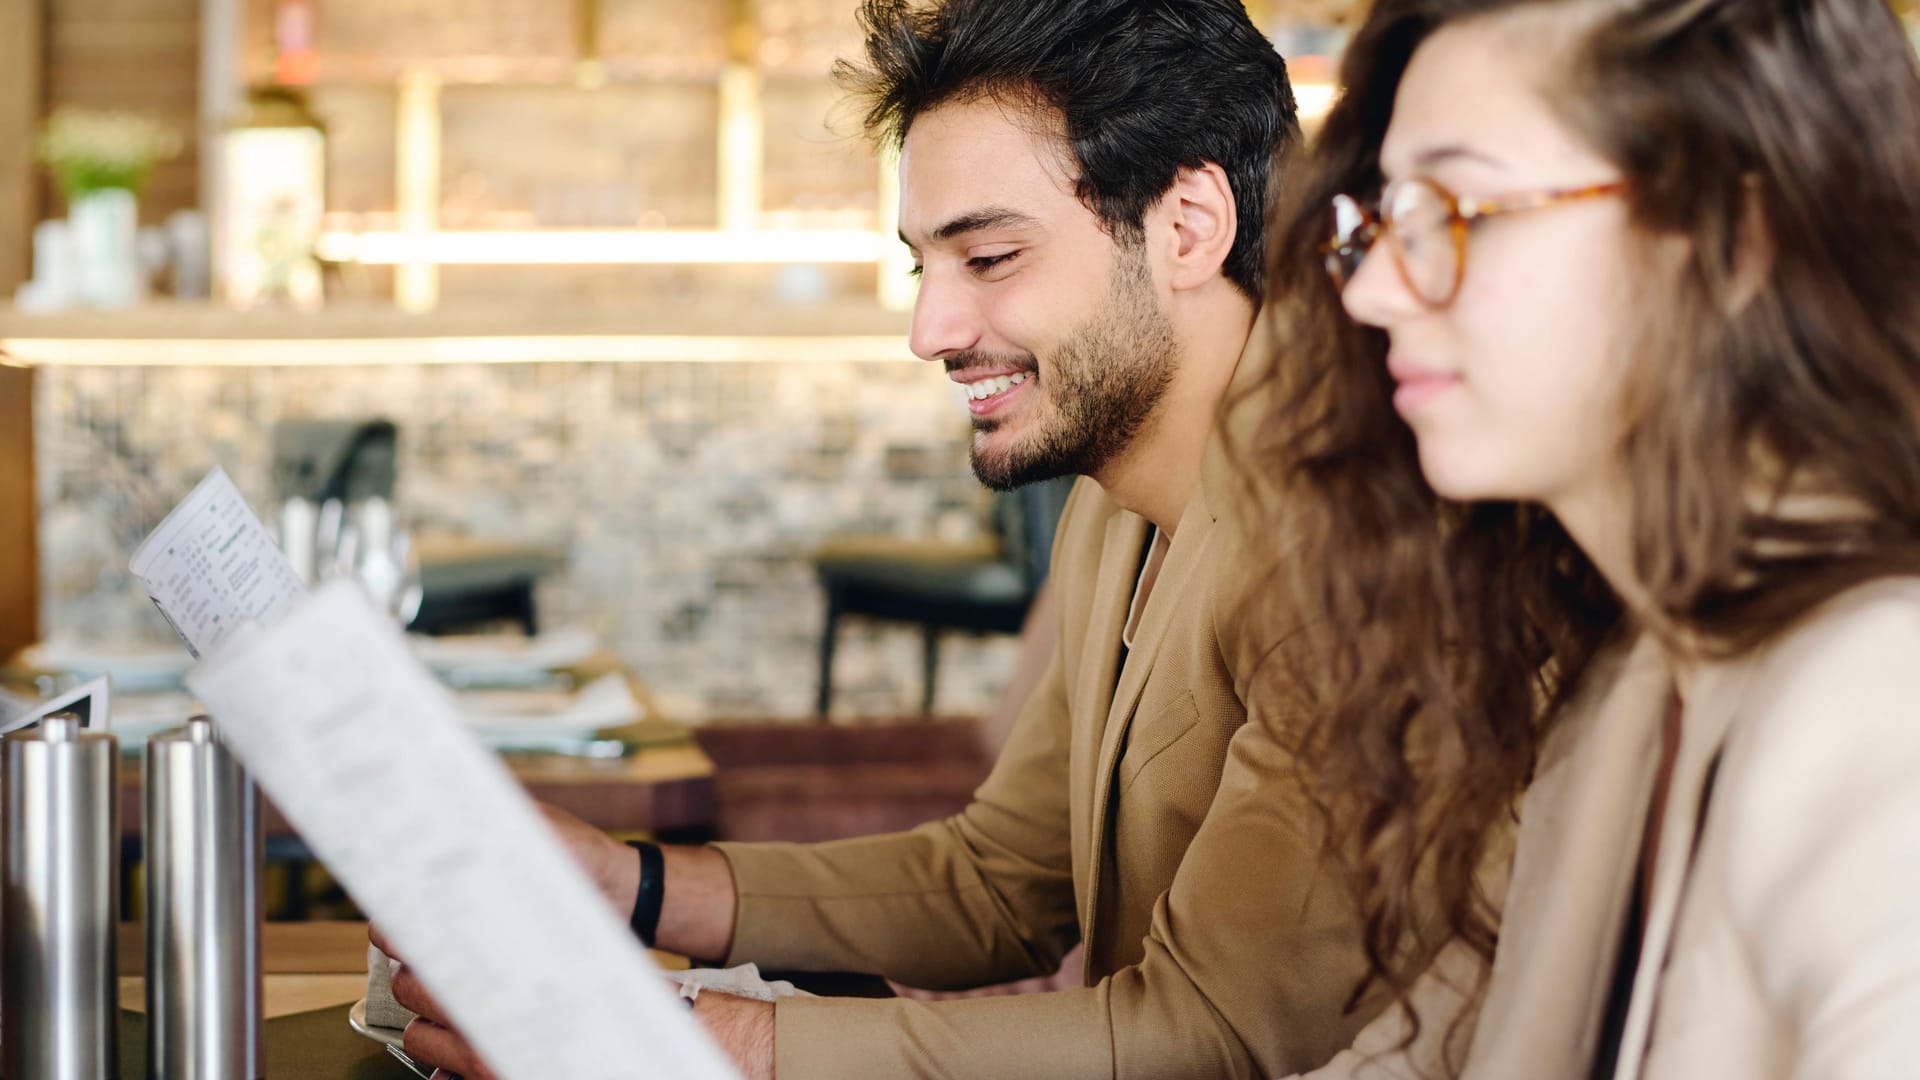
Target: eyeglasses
{"x":1426,"y":228}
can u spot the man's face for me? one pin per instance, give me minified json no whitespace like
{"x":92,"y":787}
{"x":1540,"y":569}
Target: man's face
{"x":1057,"y":330}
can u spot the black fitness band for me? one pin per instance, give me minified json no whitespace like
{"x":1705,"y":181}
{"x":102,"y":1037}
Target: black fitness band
{"x":653,"y":891}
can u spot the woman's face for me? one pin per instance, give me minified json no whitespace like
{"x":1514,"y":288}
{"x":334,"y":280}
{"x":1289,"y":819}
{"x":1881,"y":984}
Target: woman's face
{"x":1513,"y":388}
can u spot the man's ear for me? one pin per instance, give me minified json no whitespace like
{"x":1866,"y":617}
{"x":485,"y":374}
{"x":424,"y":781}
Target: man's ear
{"x":1202,"y":223}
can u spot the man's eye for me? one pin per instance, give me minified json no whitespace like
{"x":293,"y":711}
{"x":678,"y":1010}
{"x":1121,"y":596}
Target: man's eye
{"x":985,"y":263}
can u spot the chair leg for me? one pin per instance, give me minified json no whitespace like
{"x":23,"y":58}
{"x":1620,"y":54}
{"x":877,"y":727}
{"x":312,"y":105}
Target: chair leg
{"x":828,"y":636}
{"x":930,"y":662}
{"x":523,"y":609}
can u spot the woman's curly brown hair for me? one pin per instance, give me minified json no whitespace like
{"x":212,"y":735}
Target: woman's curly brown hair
{"x":1447,"y":633}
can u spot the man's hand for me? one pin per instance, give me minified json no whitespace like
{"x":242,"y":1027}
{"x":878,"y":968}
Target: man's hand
{"x":429,"y":1040}
{"x":613,"y":867}
{"x":743,"y":1028}
{"x":697,"y":917}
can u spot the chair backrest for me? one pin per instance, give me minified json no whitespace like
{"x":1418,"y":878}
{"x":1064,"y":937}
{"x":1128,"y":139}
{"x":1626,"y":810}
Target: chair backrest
{"x":1025,"y":520}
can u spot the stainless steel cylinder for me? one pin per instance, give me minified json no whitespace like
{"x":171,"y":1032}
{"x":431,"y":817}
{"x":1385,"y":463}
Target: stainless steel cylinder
{"x":203,"y":910}
{"x":60,"y":849}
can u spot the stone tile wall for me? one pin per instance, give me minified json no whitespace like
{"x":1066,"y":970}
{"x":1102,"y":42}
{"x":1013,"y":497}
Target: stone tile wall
{"x":689,"y":496}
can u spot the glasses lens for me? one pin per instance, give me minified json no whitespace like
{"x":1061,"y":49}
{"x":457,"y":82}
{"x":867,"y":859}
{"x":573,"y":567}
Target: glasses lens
{"x":1352,"y":236}
{"x":1421,"y":219}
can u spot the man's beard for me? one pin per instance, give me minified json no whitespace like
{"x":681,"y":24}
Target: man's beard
{"x":1105,"y":382}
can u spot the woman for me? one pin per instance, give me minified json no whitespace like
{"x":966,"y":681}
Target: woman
{"x":1603,"y":438}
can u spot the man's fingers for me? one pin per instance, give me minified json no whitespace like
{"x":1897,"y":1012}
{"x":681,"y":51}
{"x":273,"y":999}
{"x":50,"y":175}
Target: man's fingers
{"x":430,"y":1044}
{"x":441,"y":1047}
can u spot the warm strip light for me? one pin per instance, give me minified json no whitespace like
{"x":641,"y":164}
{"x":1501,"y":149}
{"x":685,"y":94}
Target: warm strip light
{"x":564,"y":247}
{"x":742,"y":147}
{"x":344,"y":352}
{"x":416,"y":179}
{"x":1315,"y":100}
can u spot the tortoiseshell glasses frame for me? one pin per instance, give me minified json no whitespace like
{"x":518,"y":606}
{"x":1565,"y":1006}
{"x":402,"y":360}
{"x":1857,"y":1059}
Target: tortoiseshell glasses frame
{"x":1426,"y":227}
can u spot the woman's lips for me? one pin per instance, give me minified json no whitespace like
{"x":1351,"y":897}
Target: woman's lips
{"x":1417,"y":390}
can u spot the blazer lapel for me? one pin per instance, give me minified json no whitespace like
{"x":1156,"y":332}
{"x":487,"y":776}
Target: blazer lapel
{"x":1581,"y":824}
{"x":1171,"y":590}
{"x":1107,"y":617}
{"x":1105,"y":686}
{"x":1704,"y":724}
{"x":1093,"y":689}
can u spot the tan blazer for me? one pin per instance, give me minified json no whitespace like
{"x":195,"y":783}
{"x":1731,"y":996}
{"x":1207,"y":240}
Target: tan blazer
{"x":1135,"y":808}
{"x":1783,"y":932}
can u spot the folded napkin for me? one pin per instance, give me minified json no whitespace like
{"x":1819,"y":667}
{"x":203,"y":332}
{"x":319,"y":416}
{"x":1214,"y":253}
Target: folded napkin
{"x":743,"y":981}
{"x":382,"y":1010}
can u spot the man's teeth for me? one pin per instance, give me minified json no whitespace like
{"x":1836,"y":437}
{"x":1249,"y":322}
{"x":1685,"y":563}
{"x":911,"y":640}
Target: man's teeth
{"x":987,"y":388}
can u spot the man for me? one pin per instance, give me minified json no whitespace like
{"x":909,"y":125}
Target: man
{"x":1082,"y":183}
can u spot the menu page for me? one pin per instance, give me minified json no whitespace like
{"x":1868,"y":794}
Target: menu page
{"x":211,"y":566}
{"x":92,"y":702}
{"x":369,"y":759}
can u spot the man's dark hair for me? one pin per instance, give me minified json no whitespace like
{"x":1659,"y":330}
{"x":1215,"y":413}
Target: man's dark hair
{"x":1145,"y":88}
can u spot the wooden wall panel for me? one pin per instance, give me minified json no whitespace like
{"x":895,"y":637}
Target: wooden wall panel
{"x":140,"y":55}
{"x":19,"y":516}
{"x":20,"y":92}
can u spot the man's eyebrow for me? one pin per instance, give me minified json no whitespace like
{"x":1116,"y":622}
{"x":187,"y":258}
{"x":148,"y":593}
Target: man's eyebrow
{"x":993,"y":217}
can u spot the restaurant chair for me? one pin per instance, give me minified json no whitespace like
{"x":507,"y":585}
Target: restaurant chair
{"x":983,"y":587}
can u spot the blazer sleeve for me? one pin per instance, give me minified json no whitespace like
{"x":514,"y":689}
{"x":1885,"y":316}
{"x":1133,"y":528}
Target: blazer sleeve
{"x":1824,"y":859}
{"x":1250,"y":959}
{"x":983,"y":897}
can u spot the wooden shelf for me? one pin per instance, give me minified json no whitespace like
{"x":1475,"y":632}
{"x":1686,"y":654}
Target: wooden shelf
{"x":725,"y":316}
{"x":198,"y":335}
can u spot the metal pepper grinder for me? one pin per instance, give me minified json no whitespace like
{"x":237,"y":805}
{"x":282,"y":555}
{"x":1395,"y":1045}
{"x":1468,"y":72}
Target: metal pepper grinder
{"x":204,"y":856}
{"x":59,"y":894}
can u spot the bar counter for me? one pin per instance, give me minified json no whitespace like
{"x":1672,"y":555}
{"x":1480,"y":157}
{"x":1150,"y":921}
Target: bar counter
{"x":688,"y":460}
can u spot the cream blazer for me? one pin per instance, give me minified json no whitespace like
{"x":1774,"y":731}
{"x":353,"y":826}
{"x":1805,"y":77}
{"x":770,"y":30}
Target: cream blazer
{"x":1783,"y":933}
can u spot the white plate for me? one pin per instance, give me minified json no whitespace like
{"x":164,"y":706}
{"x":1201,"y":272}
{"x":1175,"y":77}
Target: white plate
{"x":516,"y":717}
{"x":504,"y":660}
{"x":132,"y":668}
{"x":357,"y":1016}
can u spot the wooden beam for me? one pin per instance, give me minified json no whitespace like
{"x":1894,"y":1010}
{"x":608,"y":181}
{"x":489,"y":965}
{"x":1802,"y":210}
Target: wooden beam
{"x":19,"y":514}
{"x":22,"y":43}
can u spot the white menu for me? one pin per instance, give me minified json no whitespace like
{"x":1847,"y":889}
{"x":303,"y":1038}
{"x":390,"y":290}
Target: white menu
{"x":368,"y":758}
{"x":92,"y":703}
{"x":211,"y":566}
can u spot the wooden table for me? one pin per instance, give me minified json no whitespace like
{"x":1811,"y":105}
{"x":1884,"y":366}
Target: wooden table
{"x":306,"y":965}
{"x":665,"y":792}
{"x":660,"y":790}
{"x":314,"y":972}
{"x":663,"y":788}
